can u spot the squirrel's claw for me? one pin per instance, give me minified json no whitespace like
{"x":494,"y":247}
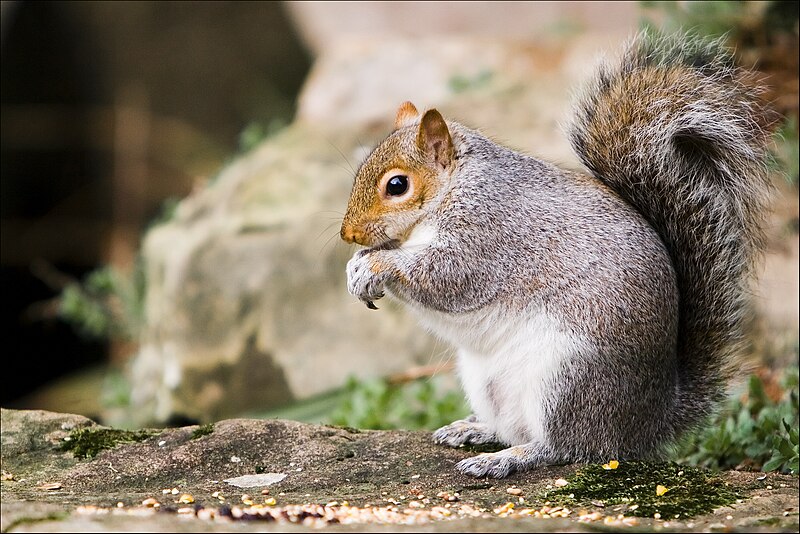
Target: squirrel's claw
{"x":362,"y":282}
{"x":464,"y":431}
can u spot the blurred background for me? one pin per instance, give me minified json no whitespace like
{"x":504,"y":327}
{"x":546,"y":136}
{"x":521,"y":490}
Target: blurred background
{"x":174,"y":174}
{"x":107,"y":111}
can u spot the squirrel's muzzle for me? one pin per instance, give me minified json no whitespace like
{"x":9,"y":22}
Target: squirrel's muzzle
{"x":347,"y":234}
{"x":352,"y":234}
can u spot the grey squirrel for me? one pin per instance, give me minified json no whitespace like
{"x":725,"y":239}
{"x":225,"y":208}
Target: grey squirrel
{"x":597,"y":316}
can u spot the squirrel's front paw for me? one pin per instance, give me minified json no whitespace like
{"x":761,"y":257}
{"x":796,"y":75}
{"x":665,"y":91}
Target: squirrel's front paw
{"x":464,"y":431}
{"x":362,"y":280}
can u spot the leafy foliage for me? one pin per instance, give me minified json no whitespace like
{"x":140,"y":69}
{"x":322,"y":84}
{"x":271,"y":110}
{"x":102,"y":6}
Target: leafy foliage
{"x":787,"y":150}
{"x":752,"y":431}
{"x":713,"y":19}
{"x":107,"y":304}
{"x":166,"y":212}
{"x":116,"y":392}
{"x":257,"y":132}
{"x":378,"y":404}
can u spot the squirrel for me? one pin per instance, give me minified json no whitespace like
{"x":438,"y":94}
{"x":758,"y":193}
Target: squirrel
{"x":596,"y":316}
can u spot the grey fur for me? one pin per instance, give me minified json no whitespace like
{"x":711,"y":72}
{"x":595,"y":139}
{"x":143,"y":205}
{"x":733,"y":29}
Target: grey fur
{"x":646,"y":261}
{"x":464,"y":431}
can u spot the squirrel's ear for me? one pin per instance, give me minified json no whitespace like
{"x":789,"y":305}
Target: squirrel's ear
{"x":434,"y":138}
{"x":406,"y":114}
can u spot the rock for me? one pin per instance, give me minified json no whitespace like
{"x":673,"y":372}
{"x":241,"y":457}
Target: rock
{"x":33,"y":431}
{"x":30,"y":440}
{"x":18,"y":514}
{"x":246,"y":306}
{"x":353,"y":472}
{"x":256,"y":481}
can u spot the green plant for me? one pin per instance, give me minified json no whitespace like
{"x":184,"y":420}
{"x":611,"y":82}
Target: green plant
{"x":459,"y":83}
{"x":713,"y":19}
{"x":202,"y":430}
{"x":753,"y":431}
{"x":785,"y":451}
{"x":256,"y":132}
{"x":107,"y":304}
{"x":378,"y":404}
{"x":787,"y":151}
{"x":166,"y":212}
{"x":116,"y":392}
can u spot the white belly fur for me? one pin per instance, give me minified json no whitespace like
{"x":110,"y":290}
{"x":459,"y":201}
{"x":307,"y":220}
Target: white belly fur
{"x":507,"y":368}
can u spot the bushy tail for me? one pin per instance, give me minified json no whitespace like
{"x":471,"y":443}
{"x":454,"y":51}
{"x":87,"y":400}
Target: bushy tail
{"x":681,"y":133}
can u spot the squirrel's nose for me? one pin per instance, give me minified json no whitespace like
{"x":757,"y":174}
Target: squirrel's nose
{"x":354,"y":234}
{"x":348,"y":234}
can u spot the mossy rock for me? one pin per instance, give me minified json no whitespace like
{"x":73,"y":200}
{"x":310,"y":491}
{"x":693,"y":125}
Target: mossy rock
{"x":88,"y":442}
{"x":645,"y":489}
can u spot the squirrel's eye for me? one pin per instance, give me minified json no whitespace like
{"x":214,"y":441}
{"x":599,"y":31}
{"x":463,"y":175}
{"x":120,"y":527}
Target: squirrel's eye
{"x":397,"y":185}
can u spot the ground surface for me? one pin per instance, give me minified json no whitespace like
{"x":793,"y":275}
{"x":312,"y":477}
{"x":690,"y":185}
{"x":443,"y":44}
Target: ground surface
{"x":186,"y":479}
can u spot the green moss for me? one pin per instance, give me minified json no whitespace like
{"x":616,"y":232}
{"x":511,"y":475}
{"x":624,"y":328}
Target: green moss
{"x":203,"y":430}
{"x":87,"y":442}
{"x":768,"y":521}
{"x":690,"y":491}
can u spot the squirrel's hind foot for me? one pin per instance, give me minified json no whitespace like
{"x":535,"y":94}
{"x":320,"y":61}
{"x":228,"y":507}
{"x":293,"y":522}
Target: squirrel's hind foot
{"x":464,"y":431}
{"x":502,"y":463}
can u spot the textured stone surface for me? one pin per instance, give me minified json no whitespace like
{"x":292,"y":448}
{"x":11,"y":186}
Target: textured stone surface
{"x":321,"y":464}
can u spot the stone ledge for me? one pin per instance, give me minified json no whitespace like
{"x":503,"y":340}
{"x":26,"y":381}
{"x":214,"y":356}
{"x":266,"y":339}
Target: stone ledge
{"x":53,"y":491}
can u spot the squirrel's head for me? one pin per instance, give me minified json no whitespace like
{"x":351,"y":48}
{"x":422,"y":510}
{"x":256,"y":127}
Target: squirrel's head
{"x":401,"y":176}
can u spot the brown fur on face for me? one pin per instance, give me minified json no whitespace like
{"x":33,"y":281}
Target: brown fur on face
{"x":422,"y":150}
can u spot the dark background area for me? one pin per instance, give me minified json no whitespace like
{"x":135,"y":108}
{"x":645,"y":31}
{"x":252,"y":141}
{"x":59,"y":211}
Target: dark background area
{"x":108,"y":109}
